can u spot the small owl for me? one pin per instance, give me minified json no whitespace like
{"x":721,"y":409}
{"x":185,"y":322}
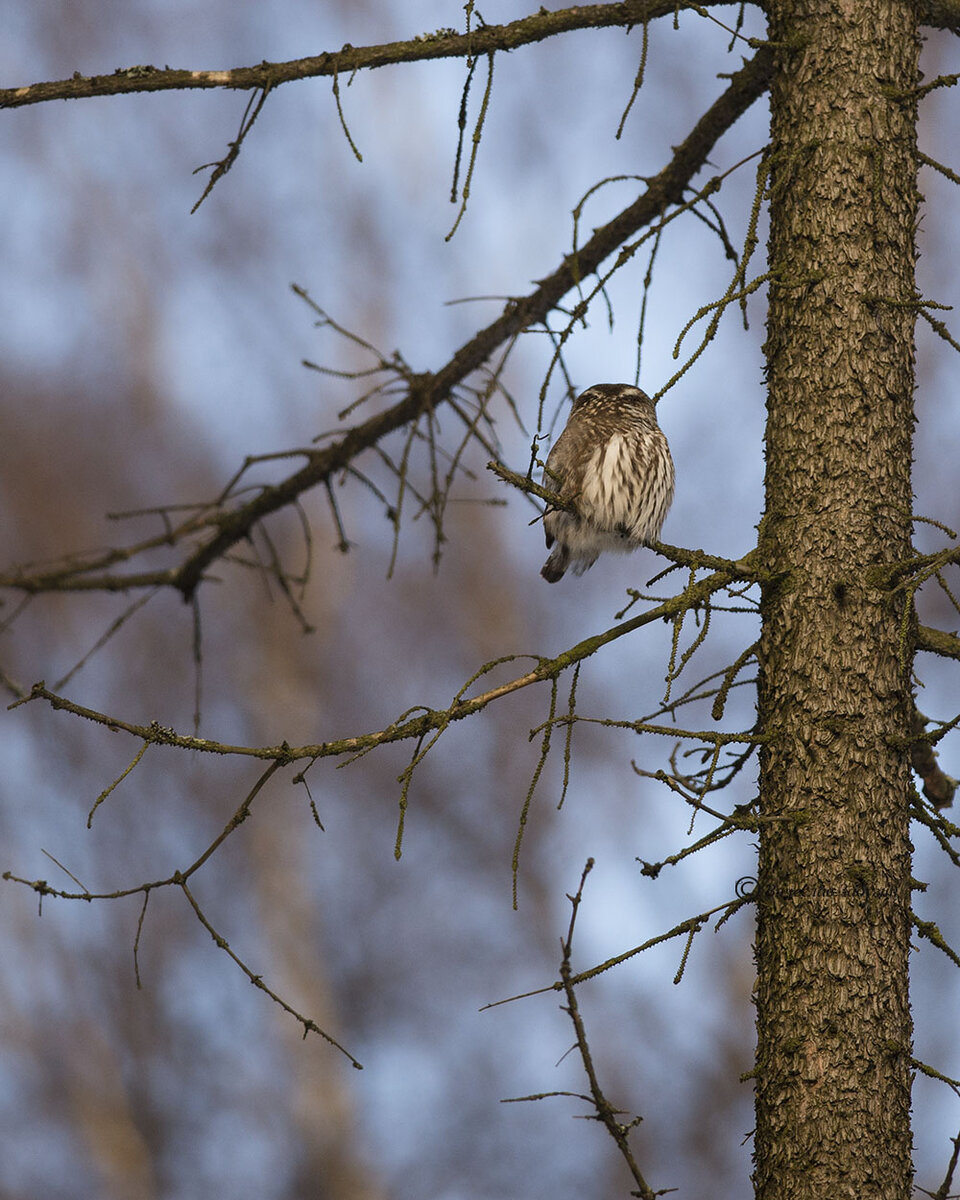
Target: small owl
{"x":613,"y":462}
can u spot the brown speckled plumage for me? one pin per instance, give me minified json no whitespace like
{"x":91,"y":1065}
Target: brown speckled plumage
{"x":612,"y":460}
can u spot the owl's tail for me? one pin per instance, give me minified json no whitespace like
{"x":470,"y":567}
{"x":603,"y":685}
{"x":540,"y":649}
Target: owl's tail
{"x":556,"y":564}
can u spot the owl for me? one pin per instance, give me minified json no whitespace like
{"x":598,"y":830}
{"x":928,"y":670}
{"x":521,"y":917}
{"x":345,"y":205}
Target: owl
{"x":613,"y":463}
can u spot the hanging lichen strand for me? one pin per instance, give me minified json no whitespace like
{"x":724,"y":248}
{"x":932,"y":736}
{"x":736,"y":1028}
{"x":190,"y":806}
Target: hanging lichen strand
{"x":833,"y":1064}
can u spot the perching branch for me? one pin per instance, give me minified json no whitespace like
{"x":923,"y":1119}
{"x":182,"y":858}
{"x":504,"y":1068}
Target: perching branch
{"x":696,"y":593}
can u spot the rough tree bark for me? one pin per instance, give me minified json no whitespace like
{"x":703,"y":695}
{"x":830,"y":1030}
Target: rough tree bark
{"x":833,"y":1018}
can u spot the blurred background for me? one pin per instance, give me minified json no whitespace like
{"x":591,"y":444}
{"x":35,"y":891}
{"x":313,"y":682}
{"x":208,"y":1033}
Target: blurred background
{"x":144,"y":352}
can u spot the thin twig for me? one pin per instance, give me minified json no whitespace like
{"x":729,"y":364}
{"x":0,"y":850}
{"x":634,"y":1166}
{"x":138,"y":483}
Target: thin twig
{"x":606,"y":1114}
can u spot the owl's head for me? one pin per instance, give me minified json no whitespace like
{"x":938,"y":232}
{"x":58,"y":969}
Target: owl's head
{"x":614,"y":395}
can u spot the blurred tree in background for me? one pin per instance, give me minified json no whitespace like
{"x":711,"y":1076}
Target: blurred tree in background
{"x":365,"y":624}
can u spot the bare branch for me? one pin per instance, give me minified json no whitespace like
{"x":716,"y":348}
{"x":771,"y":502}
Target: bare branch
{"x":221,"y":167}
{"x":606,"y":1114}
{"x":179,"y":879}
{"x":224,"y":529}
{"x":693,"y":923}
{"x":943,"y":1191}
{"x":308,"y":1025}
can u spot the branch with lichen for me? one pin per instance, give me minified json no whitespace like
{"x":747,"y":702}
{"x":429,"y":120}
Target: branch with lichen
{"x":937,"y":641}
{"x":941,"y":14}
{"x":442,"y":43}
{"x":427,"y":720}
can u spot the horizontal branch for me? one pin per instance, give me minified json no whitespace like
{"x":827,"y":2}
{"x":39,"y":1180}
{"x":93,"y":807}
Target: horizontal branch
{"x":445,"y":43}
{"x":428,"y":720}
{"x":936,"y":641}
{"x":425,"y":391}
{"x":678,"y":555}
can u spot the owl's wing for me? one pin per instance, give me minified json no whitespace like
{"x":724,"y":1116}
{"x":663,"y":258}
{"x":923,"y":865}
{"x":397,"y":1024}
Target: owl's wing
{"x":564,"y":466}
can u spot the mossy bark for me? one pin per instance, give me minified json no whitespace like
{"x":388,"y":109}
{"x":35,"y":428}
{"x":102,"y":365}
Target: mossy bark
{"x":833,"y":897}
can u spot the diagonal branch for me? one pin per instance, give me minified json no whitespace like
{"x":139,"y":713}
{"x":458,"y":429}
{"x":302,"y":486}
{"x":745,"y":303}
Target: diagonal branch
{"x":179,"y":879}
{"x":445,"y":43}
{"x":425,"y":391}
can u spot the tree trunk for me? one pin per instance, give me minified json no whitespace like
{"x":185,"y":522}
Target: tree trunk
{"x":833,"y":897}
